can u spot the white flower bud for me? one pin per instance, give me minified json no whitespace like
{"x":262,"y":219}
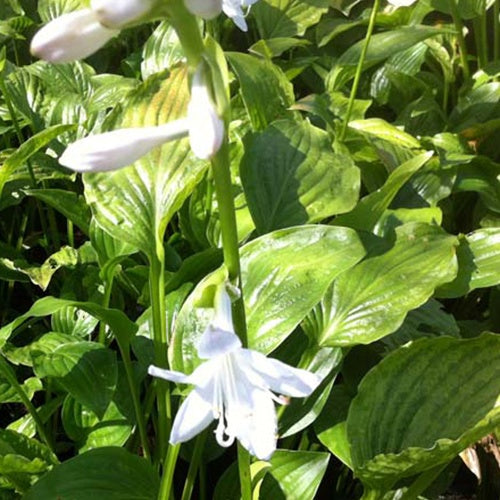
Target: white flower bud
{"x":119,"y":13}
{"x":206,"y":128}
{"x":119,"y":148}
{"x":70,"y":37}
{"x":207,"y":9}
{"x":401,"y":3}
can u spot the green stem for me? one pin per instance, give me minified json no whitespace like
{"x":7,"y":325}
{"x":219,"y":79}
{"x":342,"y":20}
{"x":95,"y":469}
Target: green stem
{"x":10,"y":376}
{"x":188,"y":32}
{"x":70,"y":233}
{"x":139,"y":416}
{"x":369,"y":494}
{"x":158,"y":316}
{"x":459,"y":26}
{"x":244,"y":472}
{"x":359,"y":68}
{"x":230,"y":246}
{"x":194,"y":466}
{"x":108,"y":287}
{"x":168,"y":472}
{"x":496,"y":30}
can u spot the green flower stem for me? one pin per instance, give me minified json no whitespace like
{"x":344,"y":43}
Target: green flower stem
{"x":459,"y":26}
{"x":480,"y":39}
{"x":157,"y":297}
{"x":168,"y":472}
{"x":244,"y":471}
{"x":225,"y":201}
{"x":108,"y":287}
{"x":10,"y":376}
{"x":188,"y":32}
{"x":359,"y":68}
{"x":139,"y":415}
{"x":194,"y":465}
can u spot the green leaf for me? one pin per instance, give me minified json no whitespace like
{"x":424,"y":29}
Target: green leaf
{"x":123,"y":328}
{"x":298,"y":474}
{"x":409,"y":414}
{"x":372,"y":299}
{"x":266,"y":91}
{"x":111,"y":473}
{"x":134,"y":204}
{"x":72,"y":206}
{"x":371,"y":208}
{"x":280,"y":286}
{"x":287,"y":18}
{"x":385,"y":131}
{"x":478,"y":263}
{"x":28,"y":149}
{"x":49,"y":9}
{"x":9,"y":395}
{"x":291,"y":176}
{"x":87,"y":370}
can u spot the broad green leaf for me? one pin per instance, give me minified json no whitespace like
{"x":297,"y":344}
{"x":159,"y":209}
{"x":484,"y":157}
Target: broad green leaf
{"x":72,"y":206}
{"x":298,"y":474}
{"x":14,"y":443}
{"x":478,"y":263}
{"x":49,"y":9}
{"x":162,"y":50}
{"x":9,"y":395}
{"x":409,"y":414}
{"x":73,"y":321}
{"x":111,"y":473}
{"x":123,"y":328}
{"x":467,"y":9}
{"x":87,"y":370}
{"x":135,"y":203}
{"x":280,"y":286}
{"x":287,"y":18}
{"x":291,"y":176}
{"x":266,"y":91}
{"x":274,"y":47}
{"x":371,"y":208}
{"x":372,"y":299}
{"x":384,"y":130}
{"x":28,"y":149}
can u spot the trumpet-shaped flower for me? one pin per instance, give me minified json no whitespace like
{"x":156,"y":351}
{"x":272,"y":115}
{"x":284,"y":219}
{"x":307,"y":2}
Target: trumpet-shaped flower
{"x":119,"y":148}
{"x":235,"y":387}
{"x":117,"y":14}
{"x":70,"y":37}
{"x":211,"y":8}
{"x":206,"y":128}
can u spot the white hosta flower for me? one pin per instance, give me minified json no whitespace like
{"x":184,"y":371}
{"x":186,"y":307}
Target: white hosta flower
{"x":119,"y":13}
{"x":234,"y":386}
{"x":119,"y":148}
{"x":70,"y":37}
{"x":401,"y":3}
{"x":206,"y":128}
{"x":208,"y":9}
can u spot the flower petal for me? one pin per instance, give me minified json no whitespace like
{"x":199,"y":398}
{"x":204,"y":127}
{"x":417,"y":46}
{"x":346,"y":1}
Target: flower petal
{"x":257,"y":429}
{"x":207,"y":9}
{"x":170,"y":375}
{"x":233,"y":10}
{"x":193,"y":416}
{"x":119,"y":148}
{"x":278,"y":376}
{"x":117,"y":14}
{"x":69,"y":37}
{"x":216,"y":342}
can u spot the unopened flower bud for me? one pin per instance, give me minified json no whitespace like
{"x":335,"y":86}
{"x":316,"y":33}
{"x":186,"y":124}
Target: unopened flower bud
{"x":207,"y":9}
{"x":119,"y":148}
{"x":119,"y":13}
{"x":70,"y":37}
{"x":206,"y":128}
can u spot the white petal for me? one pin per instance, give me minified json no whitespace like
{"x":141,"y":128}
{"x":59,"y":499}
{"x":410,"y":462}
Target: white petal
{"x":193,"y":416}
{"x":278,"y":376}
{"x":70,"y":37}
{"x":206,"y":129}
{"x":216,"y":342}
{"x":257,"y":430}
{"x":119,"y":13}
{"x":207,"y":9}
{"x":401,"y":3}
{"x":233,"y":10}
{"x":170,"y":375}
{"x":119,"y":148}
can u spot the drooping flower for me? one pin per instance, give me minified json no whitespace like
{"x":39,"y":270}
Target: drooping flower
{"x":235,"y":387}
{"x":119,"y":148}
{"x":70,"y":37}
{"x":211,"y":8}
{"x":117,"y":14}
{"x":206,"y":128}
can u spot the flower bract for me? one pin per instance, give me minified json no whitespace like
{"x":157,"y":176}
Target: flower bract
{"x":236,"y":386}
